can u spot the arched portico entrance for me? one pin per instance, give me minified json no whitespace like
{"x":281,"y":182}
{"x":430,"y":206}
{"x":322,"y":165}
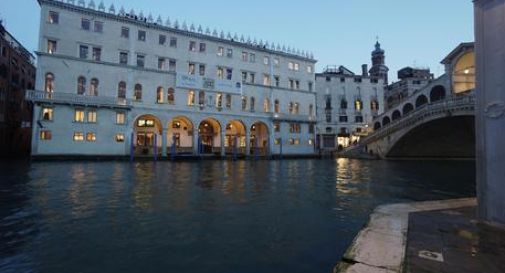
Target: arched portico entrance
{"x":180,"y":136}
{"x":209,"y":135}
{"x":235,"y":137}
{"x":259,"y":139}
{"x":147,"y":135}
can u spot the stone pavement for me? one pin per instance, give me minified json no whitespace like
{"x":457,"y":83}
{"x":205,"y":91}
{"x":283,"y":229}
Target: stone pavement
{"x":453,"y":241}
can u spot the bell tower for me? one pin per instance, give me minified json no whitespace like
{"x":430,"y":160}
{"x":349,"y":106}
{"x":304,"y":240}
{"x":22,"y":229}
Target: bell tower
{"x":379,"y":68}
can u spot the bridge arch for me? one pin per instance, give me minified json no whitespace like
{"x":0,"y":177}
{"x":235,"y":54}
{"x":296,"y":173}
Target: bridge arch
{"x":396,"y":115}
{"x":437,"y":93}
{"x":407,"y":108}
{"x":386,"y":120}
{"x":421,"y":100}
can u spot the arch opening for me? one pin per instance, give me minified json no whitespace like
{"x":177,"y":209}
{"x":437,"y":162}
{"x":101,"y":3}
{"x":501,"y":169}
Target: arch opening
{"x":209,"y":135}
{"x":235,"y":137}
{"x":437,"y":93}
{"x":259,"y":137}
{"x":180,"y":135}
{"x":147,"y":135}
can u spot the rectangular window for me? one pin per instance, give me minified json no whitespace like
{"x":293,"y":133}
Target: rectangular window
{"x":46,"y":135}
{"x":277,"y":127}
{"x":309,"y":69}
{"x":266,"y":60}
{"x":342,"y":79}
{"x":297,"y":85}
{"x":191,"y":98}
{"x":229,"y":73}
{"x":276,"y":61}
{"x":229,"y":53}
{"x":98,"y":27}
{"x":47,"y":114}
{"x":51,"y":46}
{"x":342,"y":118}
{"x":92,"y":116}
{"x":90,"y":137}
{"x":173,"y":42}
{"x":277,"y":81}
{"x":191,"y":69}
{"x":78,"y":136}
{"x":162,"y":39}
{"x":290,"y":66}
{"x":311,"y":86}
{"x":140,"y":60}
{"x":120,"y":118}
{"x":54,"y":17}
{"x":161,"y":63}
{"x":294,"y":128}
{"x":244,"y":76}
{"x":120,"y":137}
{"x":220,"y":73}
{"x":125,"y":32}
{"x":252,"y":58}
{"x":202,"y":47}
{"x":85,"y":24}
{"x":123,"y":58}
{"x":291,"y":84}
{"x":266,"y":79}
{"x":297,"y":66}
{"x":311,"y":128}
{"x":244,"y":56}
{"x":97,"y":54}
{"x":83,"y":52}
{"x":358,"y":119}
{"x":220,"y":51}
{"x":79,"y":115}
{"x":252,"y":78}
{"x":141,"y":36}
{"x":201,"y":70}
{"x":192,"y":46}
{"x":228,"y":101}
{"x":171,"y":65}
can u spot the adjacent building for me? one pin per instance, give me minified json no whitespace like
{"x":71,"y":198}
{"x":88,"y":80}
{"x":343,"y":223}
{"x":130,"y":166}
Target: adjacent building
{"x":347,"y":102}
{"x":17,"y":73}
{"x":410,"y":81}
{"x":119,"y":83}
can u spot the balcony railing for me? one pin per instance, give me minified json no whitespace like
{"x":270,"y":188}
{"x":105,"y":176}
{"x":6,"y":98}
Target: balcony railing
{"x":74,"y":99}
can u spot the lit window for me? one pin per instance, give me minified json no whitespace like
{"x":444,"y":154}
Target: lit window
{"x":266,"y":79}
{"x":120,"y":118}
{"x":49,"y":82}
{"x":47,"y":114}
{"x":97,"y":52}
{"x":54,"y":17}
{"x":125,"y":32}
{"x":220,"y":73}
{"x":78,"y":136}
{"x":46,"y":135}
{"x":85,"y":24}
{"x":120,"y":137}
{"x":266,"y":105}
{"x":219,"y":100}
{"x":358,"y":105}
{"x":90,"y":137}
{"x":79,"y":115}
{"x":290,"y":66}
{"x":277,"y":141}
{"x":92,"y":116}
{"x":277,"y":127}
{"x":93,"y":87}
{"x":51,"y":46}
{"x":141,"y":36}
{"x":311,"y":141}
{"x":191,"y":98}
{"x":98,"y":26}
{"x":159,"y":95}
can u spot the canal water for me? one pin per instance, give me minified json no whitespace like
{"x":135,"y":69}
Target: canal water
{"x":203,"y":216}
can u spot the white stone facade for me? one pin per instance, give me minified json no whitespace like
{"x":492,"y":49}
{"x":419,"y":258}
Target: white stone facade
{"x":346,"y":106}
{"x":277,"y":117}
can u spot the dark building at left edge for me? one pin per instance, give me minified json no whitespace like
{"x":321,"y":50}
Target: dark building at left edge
{"x":17,"y":74}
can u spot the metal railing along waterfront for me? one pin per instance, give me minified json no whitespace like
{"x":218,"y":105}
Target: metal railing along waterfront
{"x":75,"y":99}
{"x":452,"y":104}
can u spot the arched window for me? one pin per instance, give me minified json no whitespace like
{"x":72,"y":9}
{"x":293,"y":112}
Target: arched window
{"x":253,"y":103}
{"x":121,"y":90}
{"x":219,"y":100}
{"x":201,"y":98}
{"x":228,"y":101}
{"x":191,"y":98}
{"x":311,"y":110}
{"x":277,"y":106}
{"x":343,"y":103}
{"x":137,"y":93}
{"x":421,"y":100}
{"x":171,"y":96}
{"x":49,"y":82}
{"x":374,"y":105}
{"x":81,"y":85}
{"x":93,"y":87}
{"x":244,"y":103}
{"x":296,"y":108}
{"x":159,"y":95}
{"x":358,"y":105}
{"x":463,"y":76}
{"x":266,"y":105}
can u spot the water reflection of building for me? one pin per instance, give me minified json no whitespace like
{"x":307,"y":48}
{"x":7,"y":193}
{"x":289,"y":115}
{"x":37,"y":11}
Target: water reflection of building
{"x":114,"y":83}
{"x":348,"y":102}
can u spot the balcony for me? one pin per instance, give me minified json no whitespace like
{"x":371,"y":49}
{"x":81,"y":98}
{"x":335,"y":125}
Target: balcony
{"x":74,"y":99}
